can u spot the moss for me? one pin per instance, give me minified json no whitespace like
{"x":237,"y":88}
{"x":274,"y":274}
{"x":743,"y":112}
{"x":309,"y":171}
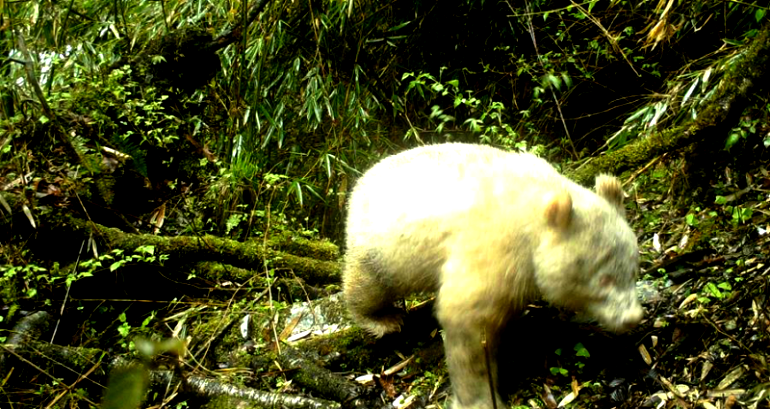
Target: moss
{"x":221,"y":272}
{"x":301,"y":246}
{"x":191,"y":249}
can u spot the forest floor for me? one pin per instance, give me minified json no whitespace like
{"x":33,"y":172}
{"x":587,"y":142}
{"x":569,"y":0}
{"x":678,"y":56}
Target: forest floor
{"x":263,"y":321}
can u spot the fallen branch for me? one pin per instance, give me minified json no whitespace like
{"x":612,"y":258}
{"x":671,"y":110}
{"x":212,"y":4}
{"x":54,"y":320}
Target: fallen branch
{"x":236,"y":395}
{"x":192,"y":249}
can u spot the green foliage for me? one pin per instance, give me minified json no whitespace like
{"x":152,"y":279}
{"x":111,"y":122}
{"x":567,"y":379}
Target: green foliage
{"x":234,"y":220}
{"x":691,"y":91}
{"x":314,"y":92}
{"x":128,"y":384}
{"x":310,"y":91}
{"x":30,"y":273}
{"x":486,"y":118}
{"x":36,"y":282}
{"x":746,"y":129}
{"x":719,"y":291}
{"x":559,"y":371}
{"x":691,"y":220}
{"x":130,"y":117}
{"x":581,"y":351}
{"x":127,"y":332}
{"x":142,"y":254}
{"x":738,"y":214}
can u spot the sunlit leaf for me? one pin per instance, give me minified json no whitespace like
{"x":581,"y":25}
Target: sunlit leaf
{"x":759,"y":14}
{"x":689,"y":91}
{"x":399,"y":26}
{"x":297,"y":188}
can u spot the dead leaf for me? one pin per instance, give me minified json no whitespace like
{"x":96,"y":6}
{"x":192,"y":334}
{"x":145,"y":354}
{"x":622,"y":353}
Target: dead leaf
{"x":645,"y":355}
{"x":731,"y":377}
{"x":287,"y":330}
{"x":548,"y":398}
{"x":387,"y":385}
{"x":28,"y":213}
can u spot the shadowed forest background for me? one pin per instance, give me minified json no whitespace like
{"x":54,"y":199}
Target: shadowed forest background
{"x":174,"y":176}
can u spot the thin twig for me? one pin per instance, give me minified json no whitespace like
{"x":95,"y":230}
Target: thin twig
{"x":644,"y":169}
{"x":70,"y":387}
{"x":607,"y":34}
{"x":67,"y":293}
{"x":39,"y":369}
{"x":489,"y":370}
{"x":267,"y":276}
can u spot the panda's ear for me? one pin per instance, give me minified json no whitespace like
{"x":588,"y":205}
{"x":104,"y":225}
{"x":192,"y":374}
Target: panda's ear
{"x":608,"y":187}
{"x":558,"y":210}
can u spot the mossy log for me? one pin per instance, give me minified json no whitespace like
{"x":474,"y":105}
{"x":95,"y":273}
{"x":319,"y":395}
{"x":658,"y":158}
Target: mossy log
{"x":251,"y":255}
